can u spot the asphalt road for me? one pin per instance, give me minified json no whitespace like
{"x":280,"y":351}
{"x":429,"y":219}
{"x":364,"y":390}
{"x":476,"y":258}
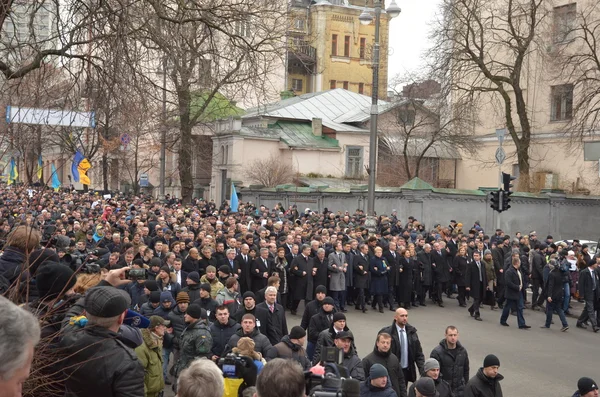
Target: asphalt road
{"x":536,"y":362}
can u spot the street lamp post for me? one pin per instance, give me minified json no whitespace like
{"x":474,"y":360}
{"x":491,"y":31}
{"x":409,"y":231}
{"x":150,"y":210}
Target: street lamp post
{"x":365,"y":18}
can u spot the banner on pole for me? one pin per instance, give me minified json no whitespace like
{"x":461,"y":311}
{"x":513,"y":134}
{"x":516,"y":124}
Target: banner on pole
{"x":50,"y":117}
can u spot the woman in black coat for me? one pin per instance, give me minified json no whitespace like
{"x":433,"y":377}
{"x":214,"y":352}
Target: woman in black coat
{"x":405,"y":279}
{"x":459,"y":269}
{"x":378,"y":268}
{"x":280,"y":268}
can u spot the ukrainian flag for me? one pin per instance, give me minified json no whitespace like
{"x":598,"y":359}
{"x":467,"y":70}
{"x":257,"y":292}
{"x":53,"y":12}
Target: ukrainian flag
{"x":79,"y":168}
{"x":40,"y":169}
{"x":13,"y":173}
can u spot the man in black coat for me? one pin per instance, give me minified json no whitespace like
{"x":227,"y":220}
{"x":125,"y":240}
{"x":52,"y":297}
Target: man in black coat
{"x":259,"y":270}
{"x":441,"y":273}
{"x":314,"y":306}
{"x":555,"y":290}
{"x":277,"y":322}
{"x":486,"y":383}
{"x":476,"y":284}
{"x":424,"y":260}
{"x":318,"y":323}
{"x":513,"y":280}
{"x":454,"y":361}
{"x":383,"y":355}
{"x":537,"y":276}
{"x":361,"y":275}
{"x":392,"y":259}
{"x":221,"y":331}
{"x":498,"y":255}
{"x":588,"y":290}
{"x":318,"y":265}
{"x":243,"y":265}
{"x":261,"y":315}
{"x":299,"y":277}
{"x":406,"y":345}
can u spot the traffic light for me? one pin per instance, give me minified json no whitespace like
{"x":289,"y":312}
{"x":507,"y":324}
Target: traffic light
{"x":506,"y":200}
{"x":506,"y":180}
{"x":497,"y":200}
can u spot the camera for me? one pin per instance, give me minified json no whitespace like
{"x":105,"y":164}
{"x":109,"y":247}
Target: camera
{"x":336,"y":381}
{"x":232,"y":365}
{"x":90,"y":268}
{"x":136,"y":274}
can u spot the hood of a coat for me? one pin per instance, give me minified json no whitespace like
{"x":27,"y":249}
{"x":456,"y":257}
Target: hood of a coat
{"x":152,"y":341}
{"x":290,"y":344}
{"x":487,"y":380}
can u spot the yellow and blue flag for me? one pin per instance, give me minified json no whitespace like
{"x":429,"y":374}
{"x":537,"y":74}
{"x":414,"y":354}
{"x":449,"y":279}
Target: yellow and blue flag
{"x":40,"y":169}
{"x":13,"y":173}
{"x":55,"y":180}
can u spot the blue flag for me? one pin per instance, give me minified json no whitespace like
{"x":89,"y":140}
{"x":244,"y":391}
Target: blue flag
{"x":55,"y":180}
{"x":233,"y":203}
{"x":76,"y":160}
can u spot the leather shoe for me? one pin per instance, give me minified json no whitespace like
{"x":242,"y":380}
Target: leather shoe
{"x":525,"y":327}
{"x":478,"y":318}
{"x":596,"y":329}
{"x":422,"y":304}
{"x":471,"y":311}
{"x":579,"y":325}
{"x":505,"y":324}
{"x":364,"y":310}
{"x":381,"y":310}
{"x":440,"y":304}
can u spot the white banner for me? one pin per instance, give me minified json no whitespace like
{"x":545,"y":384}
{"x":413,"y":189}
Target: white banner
{"x":50,"y":117}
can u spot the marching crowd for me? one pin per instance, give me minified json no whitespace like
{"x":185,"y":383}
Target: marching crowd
{"x":131,"y":295}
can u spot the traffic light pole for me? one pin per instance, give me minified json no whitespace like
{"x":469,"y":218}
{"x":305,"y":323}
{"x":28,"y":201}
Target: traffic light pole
{"x":500,"y":198}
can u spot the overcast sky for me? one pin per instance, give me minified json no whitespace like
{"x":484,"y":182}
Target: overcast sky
{"x":408,"y":35}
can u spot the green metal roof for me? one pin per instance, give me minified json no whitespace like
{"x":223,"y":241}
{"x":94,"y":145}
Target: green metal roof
{"x":416,"y":184}
{"x":301,"y":135}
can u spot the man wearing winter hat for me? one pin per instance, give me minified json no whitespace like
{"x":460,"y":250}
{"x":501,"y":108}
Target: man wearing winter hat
{"x":327,"y":337}
{"x":249,"y":307}
{"x":166,"y":281}
{"x":432,"y":370}
{"x":377,"y":383}
{"x":177,"y":319}
{"x":292,"y":347}
{"x":425,"y":387}
{"x":211,"y":278}
{"x":193,"y":286}
{"x":150,"y":355}
{"x":313,"y":307}
{"x":487,"y":380}
{"x":586,"y":387}
{"x":319,"y":323}
{"x":89,"y":371}
{"x":196,"y":340}
{"x":148,"y":308}
{"x":344,"y":341}
{"x":207,"y":302}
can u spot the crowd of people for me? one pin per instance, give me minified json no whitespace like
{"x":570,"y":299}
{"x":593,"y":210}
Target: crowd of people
{"x":132,"y":295}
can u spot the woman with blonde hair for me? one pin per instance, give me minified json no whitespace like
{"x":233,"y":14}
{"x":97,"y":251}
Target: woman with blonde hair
{"x":245,"y":347}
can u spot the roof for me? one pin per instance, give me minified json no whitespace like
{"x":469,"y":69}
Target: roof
{"x":293,"y":134}
{"x":332,"y":106}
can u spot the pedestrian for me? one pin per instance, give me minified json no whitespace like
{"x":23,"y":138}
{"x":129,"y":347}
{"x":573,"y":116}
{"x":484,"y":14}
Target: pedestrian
{"x":314,"y":306}
{"x":476,"y":284}
{"x":555,"y":292}
{"x":513,"y":281}
{"x":246,"y":347}
{"x":377,"y":384}
{"x":459,"y":270}
{"x":406,"y":345}
{"x":250,"y":330}
{"x":486,"y":382}
{"x":425,"y":387}
{"x":425,"y":263}
{"x":589,"y":288}
{"x":383,"y":355}
{"x":229,"y":296}
{"x":150,"y":355}
{"x":261,"y":315}
{"x":299,"y":280}
{"x":361,"y":275}
{"x":221,"y":331}
{"x":432,"y":370}
{"x":490,"y":274}
{"x":319,"y":323}
{"x":405,"y":276}
{"x":327,"y":336}
{"x":586,"y":387}
{"x":441,"y":272}
{"x":196,"y":340}
{"x":454,"y":361}
{"x":292,"y":347}
{"x":378,"y":268}
{"x":277,"y":321}
{"x":345,"y":341}
{"x":337,"y":267}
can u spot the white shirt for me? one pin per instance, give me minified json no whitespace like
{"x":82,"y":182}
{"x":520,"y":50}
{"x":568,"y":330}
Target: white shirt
{"x":402,"y":337}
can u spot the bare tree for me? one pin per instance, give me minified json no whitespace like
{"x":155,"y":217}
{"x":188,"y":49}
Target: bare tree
{"x":270,"y":172}
{"x":481,"y":46}
{"x":214,"y":47}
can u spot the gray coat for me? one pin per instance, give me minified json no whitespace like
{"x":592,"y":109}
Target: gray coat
{"x":337,"y":277}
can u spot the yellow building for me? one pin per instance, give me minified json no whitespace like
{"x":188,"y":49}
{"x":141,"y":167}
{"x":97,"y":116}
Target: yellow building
{"x":329,"y":48}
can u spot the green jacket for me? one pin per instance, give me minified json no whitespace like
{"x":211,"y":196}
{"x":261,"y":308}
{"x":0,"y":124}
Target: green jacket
{"x":195,"y":342}
{"x":150,"y":355}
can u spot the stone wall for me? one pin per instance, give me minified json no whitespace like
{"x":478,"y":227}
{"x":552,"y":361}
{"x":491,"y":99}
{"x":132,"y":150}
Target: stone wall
{"x":557,"y":214}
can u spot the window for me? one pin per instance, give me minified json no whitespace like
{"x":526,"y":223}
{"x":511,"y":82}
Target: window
{"x":345,"y":85}
{"x":361,"y":88}
{"x":296,"y":84}
{"x":299,"y":24}
{"x":332,"y":84}
{"x":406,"y":117}
{"x":354,"y":161}
{"x":346,"y":46}
{"x":564,"y":22}
{"x":363,"y":46}
{"x":334,"y":44}
{"x":242,"y":28}
{"x":562,"y":102}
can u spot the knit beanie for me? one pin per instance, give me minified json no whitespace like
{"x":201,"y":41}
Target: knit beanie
{"x":377,"y":371}
{"x":183,"y":297}
{"x":195,"y":311}
{"x":151,"y":285}
{"x":297,"y":332}
{"x":491,"y":360}
{"x":338,"y":316}
{"x":431,"y":363}
{"x":52,"y":279}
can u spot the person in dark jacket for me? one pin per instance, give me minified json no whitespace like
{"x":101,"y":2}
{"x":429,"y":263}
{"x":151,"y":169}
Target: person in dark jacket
{"x":313,"y":307}
{"x":425,"y":265}
{"x":432,"y":370}
{"x":318,"y":266}
{"x":193,"y":286}
{"x":177,"y":318}
{"x":326,"y":337}
{"x":378,"y":269}
{"x":454,"y":361}
{"x":299,"y":279}
{"x":377,"y":384}
{"x":555,"y":291}
{"x":589,"y":290}
{"x":318,"y":323}
{"x":196,"y":339}
{"x":459,"y":270}
{"x":441,"y":273}
{"x":361,"y":275}
{"x":291,"y":347}
{"x":222,"y":330}
{"x":153,"y":303}
{"x":383,"y":355}
{"x":537,"y":271}
{"x":413,"y":357}
{"x":88,"y":370}
{"x":513,"y":281}
{"x":345,"y":341}
{"x":476,"y":284}
{"x":486,"y":382}
{"x":586,"y":387}
{"x":250,"y":330}
{"x":259,"y":270}
{"x":207,"y":302}
{"x":167,"y":303}
{"x":249,"y":306}
{"x":277,"y":321}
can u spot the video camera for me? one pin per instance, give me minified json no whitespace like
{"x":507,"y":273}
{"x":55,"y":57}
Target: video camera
{"x":336,"y":381}
{"x":234,"y":365}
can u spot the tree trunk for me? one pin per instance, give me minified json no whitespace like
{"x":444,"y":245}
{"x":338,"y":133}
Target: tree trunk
{"x":105,"y":171}
{"x":185,"y":147}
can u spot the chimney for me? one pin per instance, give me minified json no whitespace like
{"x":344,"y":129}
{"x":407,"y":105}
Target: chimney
{"x":317,"y":126}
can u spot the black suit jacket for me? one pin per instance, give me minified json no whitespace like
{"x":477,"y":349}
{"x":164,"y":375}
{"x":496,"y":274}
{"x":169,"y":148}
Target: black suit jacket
{"x":257,"y":269}
{"x":243,"y":272}
{"x":586,"y":286}
{"x":277,"y":323}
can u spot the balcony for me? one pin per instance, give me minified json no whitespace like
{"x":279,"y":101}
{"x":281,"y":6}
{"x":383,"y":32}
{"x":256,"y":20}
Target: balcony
{"x":301,"y":50}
